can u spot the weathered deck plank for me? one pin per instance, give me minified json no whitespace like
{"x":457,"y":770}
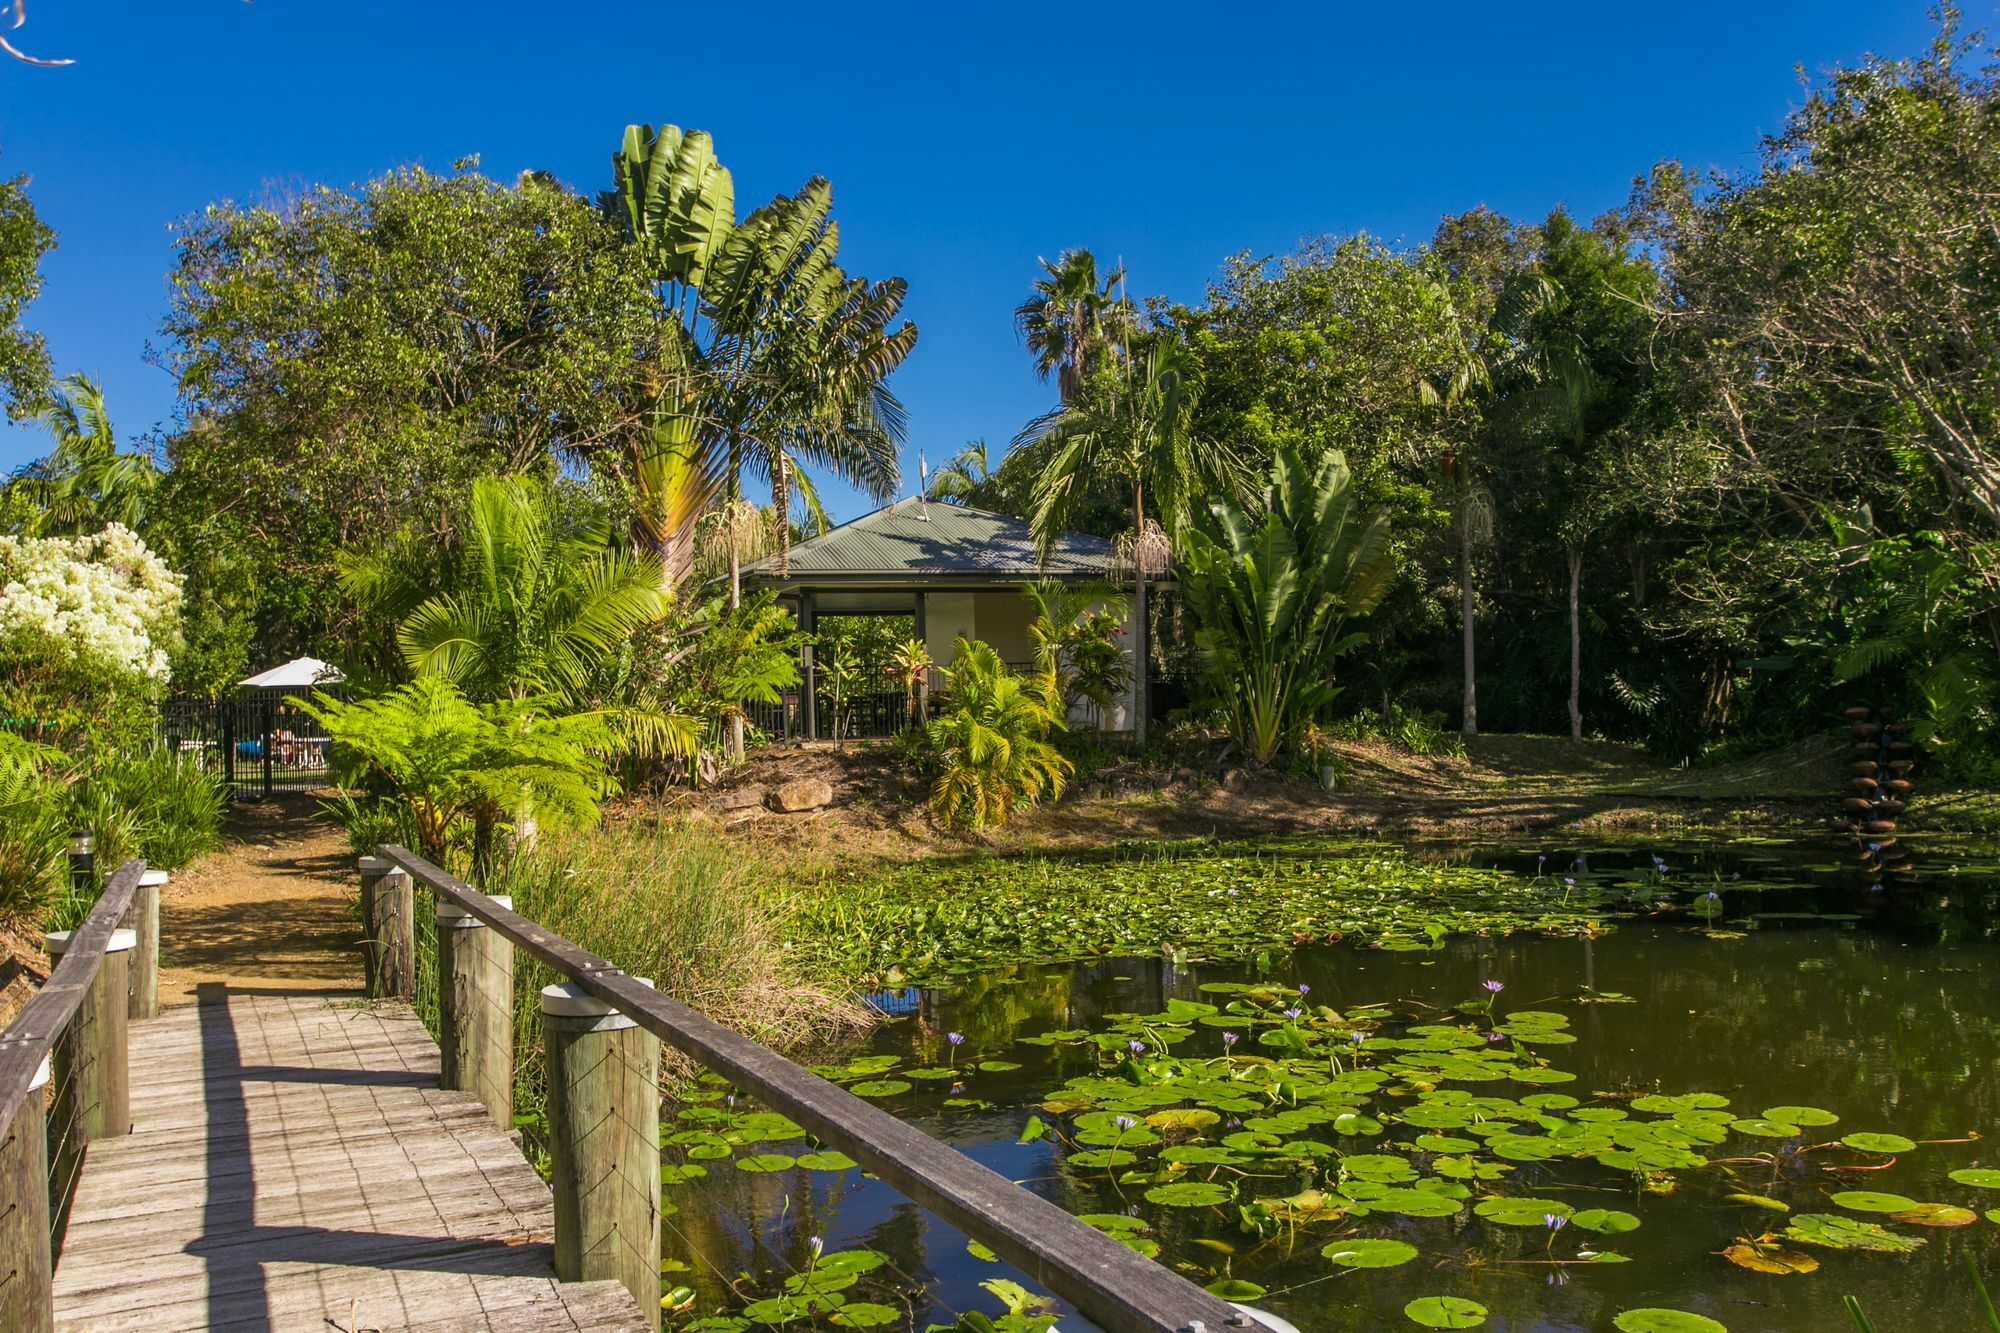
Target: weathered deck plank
{"x":294,"y":1165}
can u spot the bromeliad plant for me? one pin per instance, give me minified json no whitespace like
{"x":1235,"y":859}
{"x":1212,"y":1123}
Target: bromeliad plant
{"x":463,"y":767}
{"x":1273,"y":596}
{"x":990,"y":741}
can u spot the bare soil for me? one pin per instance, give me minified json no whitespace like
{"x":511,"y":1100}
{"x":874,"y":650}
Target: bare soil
{"x":273,"y":909}
{"x":1502,"y":786}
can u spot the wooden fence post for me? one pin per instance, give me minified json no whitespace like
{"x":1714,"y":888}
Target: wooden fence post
{"x":389,"y":944}
{"x":143,"y":916}
{"x":476,"y":1009}
{"x":604,"y":1143}
{"x":90,"y":1057}
{"x":27,"y":1304}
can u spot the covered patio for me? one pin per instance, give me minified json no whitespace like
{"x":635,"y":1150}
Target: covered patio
{"x":950,"y":570}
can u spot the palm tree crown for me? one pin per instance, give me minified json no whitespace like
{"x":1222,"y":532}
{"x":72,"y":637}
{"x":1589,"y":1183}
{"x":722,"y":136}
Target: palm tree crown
{"x":1072,"y":321}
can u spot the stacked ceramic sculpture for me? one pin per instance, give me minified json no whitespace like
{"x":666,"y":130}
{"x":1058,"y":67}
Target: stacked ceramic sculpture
{"x":1883,"y":760}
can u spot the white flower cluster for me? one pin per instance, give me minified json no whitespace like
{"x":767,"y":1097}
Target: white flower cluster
{"x":104,"y":601}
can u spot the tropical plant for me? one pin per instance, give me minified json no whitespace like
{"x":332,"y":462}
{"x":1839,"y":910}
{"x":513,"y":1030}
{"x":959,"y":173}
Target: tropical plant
{"x":1138,"y":427}
{"x":910,"y":666}
{"x":1271,"y":597}
{"x":989,"y":741}
{"x":961,"y":474}
{"x":534,"y":603}
{"x":710,"y":660}
{"x":1075,"y":633}
{"x":84,"y":483}
{"x":838,"y":665}
{"x":24,"y":357}
{"x":466,"y":768}
{"x":1072,"y":322}
{"x":34,"y":827}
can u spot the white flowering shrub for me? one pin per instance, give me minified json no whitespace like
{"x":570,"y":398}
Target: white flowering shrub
{"x":86,"y":626}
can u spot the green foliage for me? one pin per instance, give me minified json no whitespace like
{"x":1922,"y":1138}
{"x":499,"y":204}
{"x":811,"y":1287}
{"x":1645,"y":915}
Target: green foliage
{"x":24,"y":358}
{"x":464,"y":769}
{"x":334,"y":387}
{"x":1272,"y":601}
{"x":85,"y":483}
{"x":709,"y":660}
{"x":1076,"y":633}
{"x":989,"y":741}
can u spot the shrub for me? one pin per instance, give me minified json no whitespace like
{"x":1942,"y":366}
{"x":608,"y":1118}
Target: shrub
{"x":989,"y":741}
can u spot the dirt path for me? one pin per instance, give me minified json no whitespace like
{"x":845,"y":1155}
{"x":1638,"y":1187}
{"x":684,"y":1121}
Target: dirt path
{"x":272,"y":910}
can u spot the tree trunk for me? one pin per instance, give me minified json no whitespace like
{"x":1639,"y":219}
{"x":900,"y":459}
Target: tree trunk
{"x":1139,"y":648}
{"x":781,"y":509}
{"x":1575,"y":645}
{"x":1470,"y":726}
{"x":735,"y":741}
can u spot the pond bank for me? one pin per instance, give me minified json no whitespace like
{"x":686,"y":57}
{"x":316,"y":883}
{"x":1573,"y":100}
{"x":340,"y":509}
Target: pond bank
{"x":1504,"y":786}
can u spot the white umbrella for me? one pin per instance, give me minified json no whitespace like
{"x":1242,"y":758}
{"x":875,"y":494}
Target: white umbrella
{"x":298,"y":674}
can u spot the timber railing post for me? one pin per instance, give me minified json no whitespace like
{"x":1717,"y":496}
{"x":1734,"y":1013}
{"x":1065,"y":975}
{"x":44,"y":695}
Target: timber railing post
{"x":143,"y":916}
{"x":604,"y":1143}
{"x":27,"y":1304}
{"x":476,"y":1009}
{"x":389,"y":940}
{"x":90,"y":1059}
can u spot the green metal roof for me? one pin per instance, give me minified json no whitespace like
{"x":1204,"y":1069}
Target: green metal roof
{"x":913,"y":538}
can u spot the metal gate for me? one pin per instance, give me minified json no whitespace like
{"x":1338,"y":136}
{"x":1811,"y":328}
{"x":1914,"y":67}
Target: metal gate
{"x":256,"y":742}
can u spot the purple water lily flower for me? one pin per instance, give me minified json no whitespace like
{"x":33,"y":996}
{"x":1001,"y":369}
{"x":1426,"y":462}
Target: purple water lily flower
{"x":1229,"y":1039}
{"x":1293,"y":1013}
{"x":1493,"y":987}
{"x":1304,"y":989}
{"x":1138,"y":1047}
{"x":1357,"y":1037}
{"x":1555,"y":1221}
{"x":955,"y":1038}
{"x":1124,"y":1122}
{"x":817,"y":1246}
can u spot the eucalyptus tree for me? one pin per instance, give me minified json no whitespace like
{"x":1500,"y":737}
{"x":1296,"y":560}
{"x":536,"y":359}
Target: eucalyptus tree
{"x":1135,"y":422}
{"x":24,"y":357}
{"x":1072,"y":320}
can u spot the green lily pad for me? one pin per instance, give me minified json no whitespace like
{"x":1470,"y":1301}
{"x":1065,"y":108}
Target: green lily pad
{"x":885,"y":1087}
{"x":1887,"y":1143}
{"x":1188,"y":1194}
{"x":1847,"y":1233}
{"x":1872,"y":1201}
{"x":1936,"y":1215}
{"x":1234,"y":1289}
{"x":1800,"y":1115}
{"x":1758,"y":1201}
{"x":1445,"y":1312}
{"x":826,"y":1161}
{"x":1369,"y":1252}
{"x":1983,"y":1178}
{"x":1765,"y":1129}
{"x":1665,"y":1321}
{"x":766,"y":1161}
{"x":864,"y":1314}
{"x":1605,"y":1221}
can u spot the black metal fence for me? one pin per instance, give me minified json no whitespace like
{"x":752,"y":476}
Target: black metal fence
{"x":258,"y":744}
{"x":874,"y":709}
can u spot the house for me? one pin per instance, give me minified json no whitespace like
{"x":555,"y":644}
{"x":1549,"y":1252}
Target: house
{"x":954,"y":570}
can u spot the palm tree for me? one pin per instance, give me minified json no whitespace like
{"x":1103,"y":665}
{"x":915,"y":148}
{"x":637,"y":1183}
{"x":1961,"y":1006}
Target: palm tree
{"x":1484,"y":366}
{"x":961,"y":474}
{"x":85,"y":483}
{"x":1072,"y":322}
{"x":1138,"y":427}
{"x":990,"y":737}
{"x":531,"y":607}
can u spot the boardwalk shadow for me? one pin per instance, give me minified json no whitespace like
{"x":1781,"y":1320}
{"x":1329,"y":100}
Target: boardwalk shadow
{"x":237,"y":1251}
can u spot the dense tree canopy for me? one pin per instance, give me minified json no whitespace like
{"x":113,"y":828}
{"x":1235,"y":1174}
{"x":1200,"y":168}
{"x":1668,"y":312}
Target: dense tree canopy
{"x":24,"y":239}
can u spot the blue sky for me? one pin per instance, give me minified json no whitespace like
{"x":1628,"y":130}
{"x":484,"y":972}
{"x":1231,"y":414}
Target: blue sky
{"x":963,"y":141}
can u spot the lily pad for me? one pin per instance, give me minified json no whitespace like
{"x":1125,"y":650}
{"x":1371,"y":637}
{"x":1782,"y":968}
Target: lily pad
{"x":765,"y":1162}
{"x":884,"y":1087}
{"x":864,"y":1314}
{"x":1872,"y":1201}
{"x":1445,"y":1312}
{"x":1983,"y":1178}
{"x":1369,"y":1252}
{"x":1188,"y":1194}
{"x":1769,"y":1258}
{"x":1936,"y":1215}
{"x":1605,"y":1221}
{"x":826,"y":1161}
{"x":1846,"y":1233}
{"x":1666,"y":1321}
{"x":1886,"y":1143}
{"x":1234,"y":1289}
{"x":1800,"y":1115}
{"x":1765,"y":1129}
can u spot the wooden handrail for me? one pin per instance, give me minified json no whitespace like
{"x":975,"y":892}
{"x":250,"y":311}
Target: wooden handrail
{"x":27,"y":1040}
{"x":1117,"y":1288}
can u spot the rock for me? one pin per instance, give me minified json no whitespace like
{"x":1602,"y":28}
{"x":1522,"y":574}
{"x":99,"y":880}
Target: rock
{"x":1234,"y":779}
{"x":801,"y":794}
{"x":743,"y":816}
{"x":740,"y":799}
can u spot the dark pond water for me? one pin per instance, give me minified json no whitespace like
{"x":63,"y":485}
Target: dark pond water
{"x":1817,"y":984}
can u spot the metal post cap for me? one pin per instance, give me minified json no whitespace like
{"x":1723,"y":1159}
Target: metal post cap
{"x":152,"y":879}
{"x":566,"y":999}
{"x":376,"y":865}
{"x":452,"y":912}
{"x":57,"y":941}
{"x":41,"y":1078}
{"x":1266,"y":1319}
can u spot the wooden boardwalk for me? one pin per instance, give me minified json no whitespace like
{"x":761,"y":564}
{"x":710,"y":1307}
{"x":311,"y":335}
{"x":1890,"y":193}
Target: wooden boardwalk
{"x":294,"y":1165}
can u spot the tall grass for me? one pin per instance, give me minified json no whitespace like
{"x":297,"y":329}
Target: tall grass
{"x":669,"y":901}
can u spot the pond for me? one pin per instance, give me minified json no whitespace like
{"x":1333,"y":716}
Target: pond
{"x":1743,"y":1111}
